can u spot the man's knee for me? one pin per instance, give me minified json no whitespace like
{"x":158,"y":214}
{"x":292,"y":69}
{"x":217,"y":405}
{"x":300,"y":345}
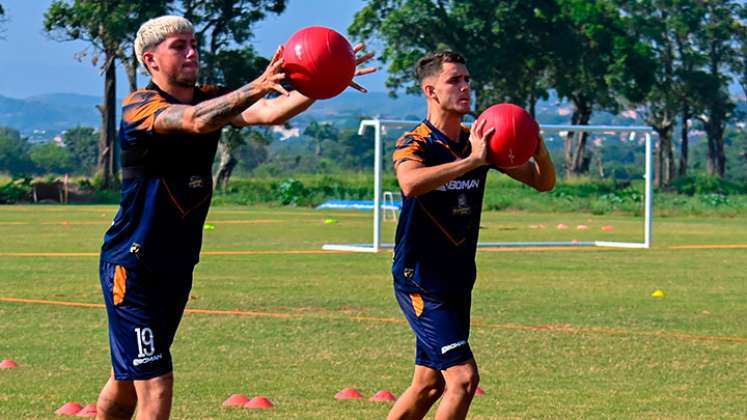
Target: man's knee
{"x":155,"y":390}
{"x":463,"y":379}
{"x":431,"y":390}
{"x":115,"y":410}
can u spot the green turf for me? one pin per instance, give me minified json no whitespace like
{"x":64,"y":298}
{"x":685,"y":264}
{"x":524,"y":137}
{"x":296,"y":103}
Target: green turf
{"x":557,"y":334}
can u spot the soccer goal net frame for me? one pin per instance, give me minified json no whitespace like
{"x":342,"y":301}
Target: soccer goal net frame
{"x":380,"y":125}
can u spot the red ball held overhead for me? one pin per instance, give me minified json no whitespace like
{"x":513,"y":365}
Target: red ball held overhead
{"x":319,"y":62}
{"x":515,"y":138}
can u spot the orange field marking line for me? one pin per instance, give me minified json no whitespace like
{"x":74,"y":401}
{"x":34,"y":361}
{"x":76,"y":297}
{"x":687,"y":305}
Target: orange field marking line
{"x":561,"y":328}
{"x":188,"y":310}
{"x":713,"y":246}
{"x":49,"y":254}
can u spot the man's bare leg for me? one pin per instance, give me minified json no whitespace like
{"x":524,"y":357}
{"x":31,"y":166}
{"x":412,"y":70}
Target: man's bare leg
{"x":117,"y":400}
{"x":461,"y":384}
{"x":427,"y":386}
{"x":154,"y":397}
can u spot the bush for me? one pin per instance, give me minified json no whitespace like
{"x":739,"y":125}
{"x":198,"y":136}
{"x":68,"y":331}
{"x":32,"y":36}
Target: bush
{"x":693,"y":185}
{"x":18,"y":189}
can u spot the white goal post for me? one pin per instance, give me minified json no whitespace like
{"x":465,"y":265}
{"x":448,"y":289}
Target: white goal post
{"x":379,"y":125}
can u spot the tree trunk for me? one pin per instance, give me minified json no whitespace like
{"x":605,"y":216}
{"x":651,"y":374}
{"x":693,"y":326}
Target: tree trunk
{"x":577,"y":158}
{"x":684,"y":141}
{"x":107,"y":139}
{"x":131,"y":69}
{"x":664,"y":156}
{"x":228,"y":149}
{"x":714,"y":126}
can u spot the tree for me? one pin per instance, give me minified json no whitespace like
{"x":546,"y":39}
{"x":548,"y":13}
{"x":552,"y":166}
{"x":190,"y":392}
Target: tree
{"x":716,"y":43}
{"x":597,"y":63}
{"x":481,"y":30}
{"x":51,"y":158}
{"x":741,"y":62}
{"x":667,"y":28}
{"x":139,"y":11}
{"x":319,"y":133}
{"x":14,"y":153}
{"x":223,"y":28}
{"x":82,"y":144}
{"x":104,"y":25}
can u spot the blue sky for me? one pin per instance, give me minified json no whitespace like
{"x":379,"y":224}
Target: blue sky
{"x":32,"y":64}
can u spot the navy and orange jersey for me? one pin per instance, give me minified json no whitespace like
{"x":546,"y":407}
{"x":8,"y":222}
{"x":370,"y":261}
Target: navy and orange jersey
{"x":166,"y":187}
{"x":436,"y":236}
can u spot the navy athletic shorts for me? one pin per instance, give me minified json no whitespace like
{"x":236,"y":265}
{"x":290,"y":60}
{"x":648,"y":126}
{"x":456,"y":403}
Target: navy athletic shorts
{"x":441,"y":327}
{"x":144,"y":311}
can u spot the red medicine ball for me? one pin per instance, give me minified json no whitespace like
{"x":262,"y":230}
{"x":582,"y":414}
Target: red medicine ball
{"x":515,"y":138}
{"x":319,"y":62}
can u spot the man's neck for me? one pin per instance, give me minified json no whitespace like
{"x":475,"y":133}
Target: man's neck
{"x":446,"y":122}
{"x":182,"y":93}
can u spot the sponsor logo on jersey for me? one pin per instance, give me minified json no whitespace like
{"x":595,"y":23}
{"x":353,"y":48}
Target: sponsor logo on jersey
{"x":144,"y":360}
{"x":452,"y":346}
{"x":460,"y":184}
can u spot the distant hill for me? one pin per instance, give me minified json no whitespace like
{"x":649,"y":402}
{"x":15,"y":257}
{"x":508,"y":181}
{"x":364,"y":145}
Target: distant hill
{"x":44,"y":116}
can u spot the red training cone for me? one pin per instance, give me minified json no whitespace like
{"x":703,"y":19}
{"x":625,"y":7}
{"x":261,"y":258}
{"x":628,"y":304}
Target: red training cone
{"x":69,"y":409}
{"x":8,"y":364}
{"x":236,"y":400}
{"x":87,"y":411}
{"x":383,"y":395}
{"x":349,"y":394}
{"x":259,"y":402}
{"x":479,"y":392}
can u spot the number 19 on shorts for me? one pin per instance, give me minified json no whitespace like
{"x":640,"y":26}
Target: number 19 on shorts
{"x":145,"y":343}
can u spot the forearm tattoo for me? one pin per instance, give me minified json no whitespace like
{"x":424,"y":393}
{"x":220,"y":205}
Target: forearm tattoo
{"x":218,"y":112}
{"x":209,"y":115}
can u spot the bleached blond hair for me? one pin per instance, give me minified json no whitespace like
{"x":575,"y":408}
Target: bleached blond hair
{"x":154,"y":31}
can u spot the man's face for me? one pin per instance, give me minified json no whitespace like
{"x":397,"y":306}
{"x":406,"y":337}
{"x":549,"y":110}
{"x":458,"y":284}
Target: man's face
{"x":450,"y":88}
{"x":177,"y":59}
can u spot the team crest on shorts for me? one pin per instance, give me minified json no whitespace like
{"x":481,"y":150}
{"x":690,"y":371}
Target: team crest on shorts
{"x":196,"y":182}
{"x":462,"y":208}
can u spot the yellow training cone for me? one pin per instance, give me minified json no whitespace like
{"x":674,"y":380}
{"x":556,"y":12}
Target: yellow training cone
{"x":208,"y":226}
{"x":658,"y":293}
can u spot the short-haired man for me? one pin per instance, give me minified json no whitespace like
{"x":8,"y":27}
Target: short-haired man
{"x":441,"y":168}
{"x":168,"y":135}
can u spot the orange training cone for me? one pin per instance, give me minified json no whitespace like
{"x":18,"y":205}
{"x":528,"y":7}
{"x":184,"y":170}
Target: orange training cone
{"x":259,"y":402}
{"x":8,"y":364}
{"x":87,"y":411}
{"x":69,"y":409}
{"x":236,"y":400}
{"x":349,"y":394}
{"x":383,"y":395}
{"x":479,"y":392}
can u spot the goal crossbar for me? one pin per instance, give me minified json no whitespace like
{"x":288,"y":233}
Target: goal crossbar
{"x":376,"y":245}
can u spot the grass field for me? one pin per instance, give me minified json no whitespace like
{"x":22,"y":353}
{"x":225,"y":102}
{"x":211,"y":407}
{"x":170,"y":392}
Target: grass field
{"x":557,"y":334}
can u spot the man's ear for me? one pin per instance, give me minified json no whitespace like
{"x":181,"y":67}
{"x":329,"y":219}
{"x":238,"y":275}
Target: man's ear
{"x":428,"y":90}
{"x":149,"y":60}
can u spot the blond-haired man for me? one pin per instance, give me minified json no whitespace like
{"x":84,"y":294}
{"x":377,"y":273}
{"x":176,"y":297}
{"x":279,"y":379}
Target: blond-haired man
{"x":168,"y":135}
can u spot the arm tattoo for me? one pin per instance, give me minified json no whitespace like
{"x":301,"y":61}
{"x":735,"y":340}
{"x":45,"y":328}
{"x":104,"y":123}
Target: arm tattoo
{"x":218,"y":112}
{"x":172,"y":118}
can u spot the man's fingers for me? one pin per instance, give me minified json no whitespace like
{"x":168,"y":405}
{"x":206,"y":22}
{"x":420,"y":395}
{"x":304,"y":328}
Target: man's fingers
{"x":366,"y":70}
{"x":358,"y":87}
{"x":280,"y":89}
{"x":362,"y":59}
{"x":278,"y":53}
{"x":359,"y":46}
{"x":488,"y":133}
{"x":478,"y":127}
